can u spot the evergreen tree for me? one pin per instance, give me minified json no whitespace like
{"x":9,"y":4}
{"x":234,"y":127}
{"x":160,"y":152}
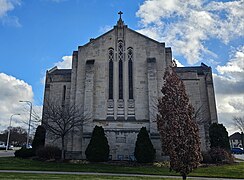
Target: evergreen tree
{"x":144,"y":151}
{"x":98,"y":148}
{"x":219,"y":137}
{"x":39,"y":138}
{"x":177,"y":127}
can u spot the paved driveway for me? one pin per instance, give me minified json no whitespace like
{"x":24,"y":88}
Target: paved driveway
{"x":9,"y":153}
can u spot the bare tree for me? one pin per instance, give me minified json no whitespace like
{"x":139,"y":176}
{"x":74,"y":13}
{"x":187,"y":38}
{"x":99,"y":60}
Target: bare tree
{"x":35,"y":118}
{"x":177,"y":126}
{"x":239,"y":123}
{"x":59,"y":120}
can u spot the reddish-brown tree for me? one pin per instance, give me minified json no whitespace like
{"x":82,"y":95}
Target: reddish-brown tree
{"x":177,"y":126}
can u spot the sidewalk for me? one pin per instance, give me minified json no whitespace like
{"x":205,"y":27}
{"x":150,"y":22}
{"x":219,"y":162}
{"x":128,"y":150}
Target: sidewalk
{"x":108,"y":174}
{"x":9,"y":153}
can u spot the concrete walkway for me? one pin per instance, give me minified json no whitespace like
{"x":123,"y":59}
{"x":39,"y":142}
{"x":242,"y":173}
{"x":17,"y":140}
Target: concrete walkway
{"x":9,"y":153}
{"x":108,"y":174}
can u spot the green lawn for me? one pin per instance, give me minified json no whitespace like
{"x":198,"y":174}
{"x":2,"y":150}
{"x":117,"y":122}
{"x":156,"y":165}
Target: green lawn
{"x":58,"y":176}
{"x":11,"y":163}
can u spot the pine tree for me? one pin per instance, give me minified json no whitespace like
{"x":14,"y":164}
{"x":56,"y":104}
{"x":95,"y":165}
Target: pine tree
{"x":219,"y":137}
{"x":144,"y":151}
{"x":98,"y":148}
{"x":177,"y":126}
{"x":39,"y":138}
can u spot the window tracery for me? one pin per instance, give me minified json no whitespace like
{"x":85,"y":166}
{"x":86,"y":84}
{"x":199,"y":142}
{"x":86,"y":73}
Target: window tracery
{"x":110,"y":79}
{"x":130,"y":72}
{"x":120,"y":57}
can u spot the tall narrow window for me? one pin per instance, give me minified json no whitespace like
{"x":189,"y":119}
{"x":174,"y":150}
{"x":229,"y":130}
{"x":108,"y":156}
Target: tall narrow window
{"x":130,"y":72}
{"x":121,"y":57}
{"x":111,"y":68}
{"x":64,"y":94}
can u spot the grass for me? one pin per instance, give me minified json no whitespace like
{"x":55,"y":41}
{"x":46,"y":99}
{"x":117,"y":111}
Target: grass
{"x":226,"y":171}
{"x":11,"y":163}
{"x":58,"y":176}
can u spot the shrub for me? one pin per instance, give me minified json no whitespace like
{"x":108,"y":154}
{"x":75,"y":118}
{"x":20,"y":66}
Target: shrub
{"x":98,"y":148}
{"x":144,"y":151}
{"x":206,"y":157}
{"x":221,"y":156}
{"x":49,"y":152}
{"x":39,"y":138}
{"x":219,"y":137}
{"x":24,"y":153}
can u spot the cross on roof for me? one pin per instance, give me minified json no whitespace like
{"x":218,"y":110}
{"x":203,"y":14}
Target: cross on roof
{"x":120,"y":13}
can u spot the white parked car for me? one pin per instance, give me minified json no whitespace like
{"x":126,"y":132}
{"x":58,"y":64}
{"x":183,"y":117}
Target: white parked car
{"x":2,"y":145}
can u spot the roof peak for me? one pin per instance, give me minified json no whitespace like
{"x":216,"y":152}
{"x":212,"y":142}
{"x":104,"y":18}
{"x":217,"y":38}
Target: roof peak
{"x":120,"y":22}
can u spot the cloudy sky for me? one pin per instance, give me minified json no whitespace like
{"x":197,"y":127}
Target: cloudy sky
{"x":37,"y":35}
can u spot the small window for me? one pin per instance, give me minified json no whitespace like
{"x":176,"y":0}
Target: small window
{"x":63,"y":95}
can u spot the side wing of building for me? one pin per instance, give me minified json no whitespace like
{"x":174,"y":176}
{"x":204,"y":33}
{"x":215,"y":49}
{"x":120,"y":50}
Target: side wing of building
{"x":199,"y":87}
{"x":57,"y":92}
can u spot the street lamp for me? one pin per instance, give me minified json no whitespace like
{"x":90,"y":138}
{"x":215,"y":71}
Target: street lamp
{"x":28,"y":134}
{"x":9,"y":129}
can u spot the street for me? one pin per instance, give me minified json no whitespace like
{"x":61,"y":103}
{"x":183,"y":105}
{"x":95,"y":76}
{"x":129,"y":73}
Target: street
{"x":239,"y":156}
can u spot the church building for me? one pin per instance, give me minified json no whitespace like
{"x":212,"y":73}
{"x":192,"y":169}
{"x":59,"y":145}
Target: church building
{"x":117,"y":78}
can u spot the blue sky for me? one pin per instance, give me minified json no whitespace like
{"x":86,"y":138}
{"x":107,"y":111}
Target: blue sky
{"x":37,"y":35}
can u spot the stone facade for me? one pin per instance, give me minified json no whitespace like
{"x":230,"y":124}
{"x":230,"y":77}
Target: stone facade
{"x":118,"y":77}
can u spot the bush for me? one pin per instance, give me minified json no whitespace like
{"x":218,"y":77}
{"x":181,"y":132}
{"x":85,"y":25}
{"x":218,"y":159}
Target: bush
{"x":144,"y":151}
{"x":48,"y":152}
{"x":221,"y":156}
{"x":206,"y":157}
{"x":98,"y":148}
{"x":39,"y":138}
{"x":24,"y":153}
{"x":219,"y":137}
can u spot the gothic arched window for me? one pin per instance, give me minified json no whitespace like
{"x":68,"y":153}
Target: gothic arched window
{"x":120,"y":57}
{"x":130,"y":72}
{"x":110,"y":73}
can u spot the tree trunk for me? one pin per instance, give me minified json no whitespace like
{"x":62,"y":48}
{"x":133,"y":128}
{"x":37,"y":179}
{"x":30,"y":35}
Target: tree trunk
{"x":62,"y":156}
{"x":184,"y":176}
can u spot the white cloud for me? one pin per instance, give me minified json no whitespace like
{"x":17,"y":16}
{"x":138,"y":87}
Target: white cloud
{"x":5,"y":7}
{"x":66,"y":63}
{"x":12,"y":90}
{"x":178,"y":63}
{"x":151,"y":32}
{"x":186,"y":25}
{"x":229,"y":88}
{"x":235,"y":65}
{"x":105,"y":29}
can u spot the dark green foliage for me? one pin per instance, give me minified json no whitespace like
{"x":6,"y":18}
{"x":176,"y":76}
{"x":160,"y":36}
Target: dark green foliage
{"x":39,"y":138}
{"x":24,"y":153}
{"x":49,"y":152}
{"x":221,"y":156}
{"x":144,"y":151}
{"x":98,"y":148}
{"x":219,"y":137}
{"x":206,"y":157}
